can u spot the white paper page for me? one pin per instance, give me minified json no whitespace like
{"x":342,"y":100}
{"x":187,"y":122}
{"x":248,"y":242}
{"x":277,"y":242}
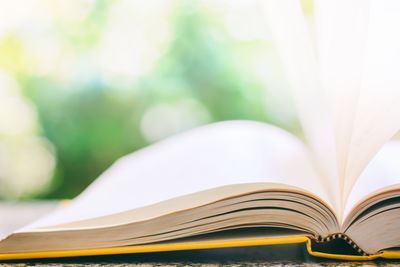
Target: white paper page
{"x":294,"y":44}
{"x":211,"y":156}
{"x":341,"y":28}
{"x":378,"y":112}
{"x":382,"y":171}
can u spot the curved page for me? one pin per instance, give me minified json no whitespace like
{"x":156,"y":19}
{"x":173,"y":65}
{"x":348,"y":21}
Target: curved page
{"x":208,"y":157}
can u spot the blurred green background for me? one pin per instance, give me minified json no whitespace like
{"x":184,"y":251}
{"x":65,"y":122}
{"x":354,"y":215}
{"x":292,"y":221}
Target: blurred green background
{"x":83,"y":82}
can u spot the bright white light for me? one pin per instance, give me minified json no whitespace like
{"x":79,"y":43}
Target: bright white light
{"x":44,"y":51}
{"x":134,"y":38}
{"x":247,"y":26}
{"x":163,"y":120}
{"x":26,"y":161}
{"x":16,"y":116}
{"x":15,"y":15}
{"x":8,"y":86}
{"x":71,"y":11}
{"x":33,"y":165}
{"x":4,"y":163}
{"x":26,"y":166}
{"x":243,"y":19}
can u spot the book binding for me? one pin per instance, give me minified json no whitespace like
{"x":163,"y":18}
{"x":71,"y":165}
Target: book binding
{"x":335,"y":246}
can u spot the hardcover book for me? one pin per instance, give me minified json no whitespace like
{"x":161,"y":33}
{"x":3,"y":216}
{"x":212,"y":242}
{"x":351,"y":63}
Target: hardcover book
{"x":246,"y":183}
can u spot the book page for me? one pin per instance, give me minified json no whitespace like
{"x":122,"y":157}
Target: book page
{"x":355,"y":75}
{"x":211,"y":156}
{"x":377,"y":118}
{"x":209,"y":204}
{"x":383,"y":171}
{"x":341,"y":45}
{"x":294,"y":44}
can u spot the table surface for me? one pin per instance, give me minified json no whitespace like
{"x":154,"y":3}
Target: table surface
{"x":16,"y":215}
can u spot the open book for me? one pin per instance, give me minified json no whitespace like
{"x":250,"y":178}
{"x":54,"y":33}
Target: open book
{"x":244,"y":183}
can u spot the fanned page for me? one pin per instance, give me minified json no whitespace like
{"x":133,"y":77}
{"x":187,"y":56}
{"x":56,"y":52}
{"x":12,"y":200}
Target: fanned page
{"x":382,"y":172}
{"x":341,"y":55}
{"x":359,"y":60}
{"x":352,"y":70}
{"x":294,"y":45}
{"x":377,"y":118}
{"x":211,"y":156}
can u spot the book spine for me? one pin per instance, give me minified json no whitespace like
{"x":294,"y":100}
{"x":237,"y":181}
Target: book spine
{"x":340,"y":236}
